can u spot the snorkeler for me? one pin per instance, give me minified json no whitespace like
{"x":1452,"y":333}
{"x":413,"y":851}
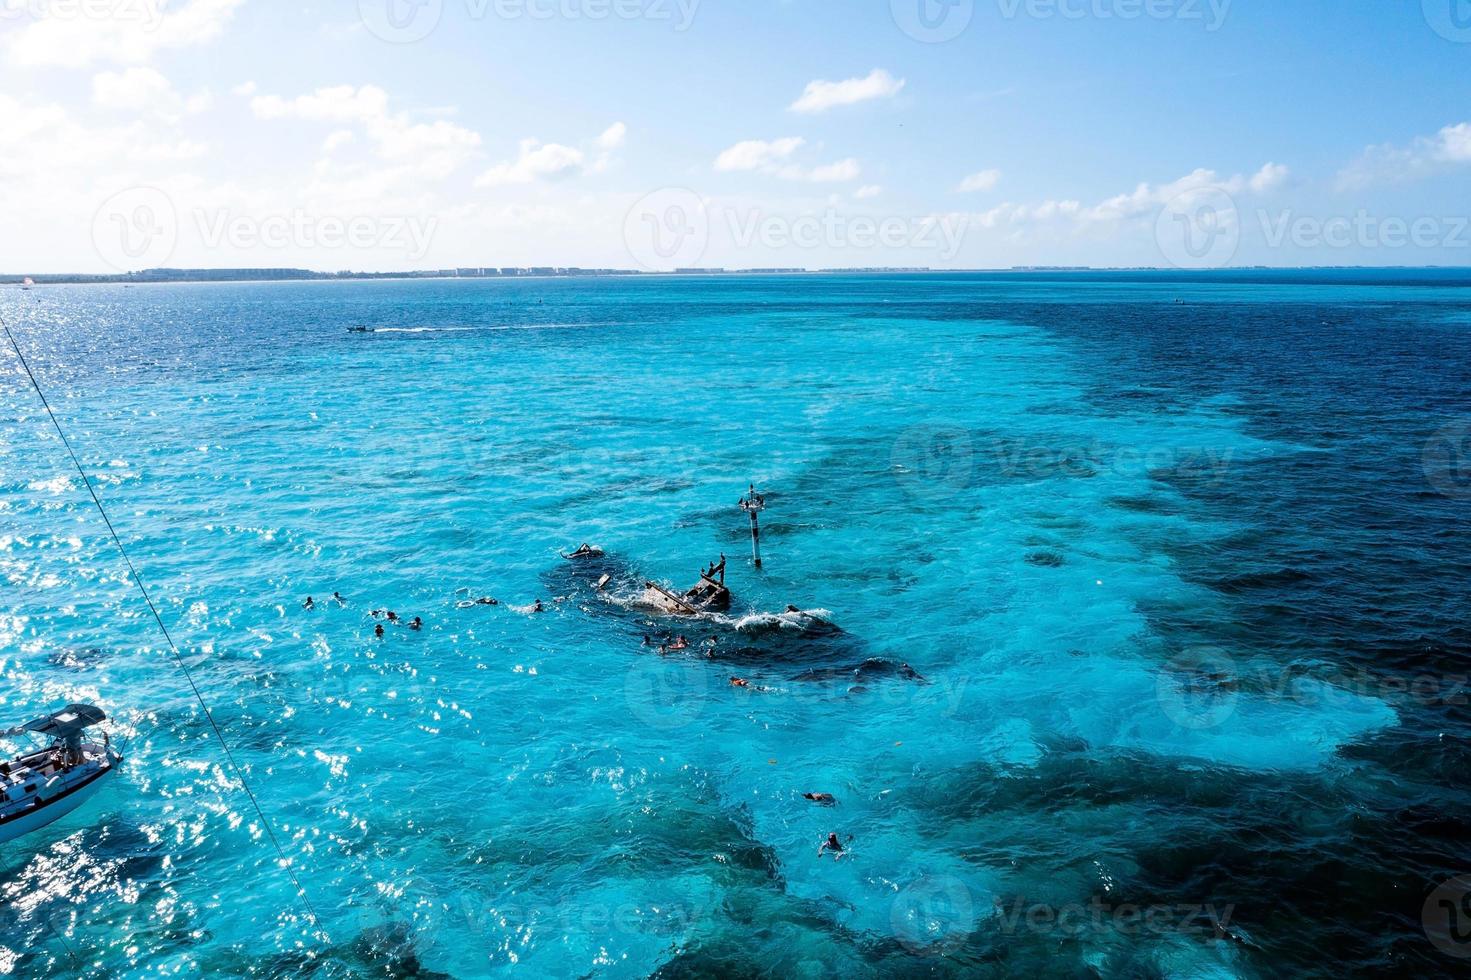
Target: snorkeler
{"x":832,"y":844}
{"x":309,"y":604}
{"x":825,"y":799}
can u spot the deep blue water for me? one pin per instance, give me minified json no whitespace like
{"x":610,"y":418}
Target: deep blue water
{"x":1150,"y":594}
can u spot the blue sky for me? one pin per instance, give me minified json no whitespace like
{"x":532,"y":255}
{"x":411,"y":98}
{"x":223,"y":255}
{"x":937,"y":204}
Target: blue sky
{"x":809,"y":133}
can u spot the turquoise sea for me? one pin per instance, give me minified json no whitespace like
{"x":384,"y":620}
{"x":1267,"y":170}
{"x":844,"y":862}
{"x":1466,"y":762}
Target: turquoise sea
{"x":1147,"y":598}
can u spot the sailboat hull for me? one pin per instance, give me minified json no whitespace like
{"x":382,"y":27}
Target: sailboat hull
{"x":54,"y":809}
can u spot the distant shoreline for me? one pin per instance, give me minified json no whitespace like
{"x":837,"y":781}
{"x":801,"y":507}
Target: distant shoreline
{"x":178,"y":276}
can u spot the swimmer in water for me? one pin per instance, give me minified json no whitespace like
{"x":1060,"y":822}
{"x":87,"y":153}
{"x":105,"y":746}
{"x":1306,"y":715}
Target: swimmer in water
{"x":793,"y":609}
{"x":739,"y":682}
{"x":392,"y":616}
{"x":680,"y":643}
{"x":309,"y":604}
{"x":486,"y":600}
{"x":376,"y":613}
{"x":826,"y":799}
{"x":416,"y":623}
{"x":337,"y":596}
{"x":378,"y":631}
{"x":832,"y":844}
{"x":538,"y":607}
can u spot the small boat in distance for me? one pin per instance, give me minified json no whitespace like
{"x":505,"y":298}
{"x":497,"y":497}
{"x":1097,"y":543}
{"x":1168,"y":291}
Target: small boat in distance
{"x":40,"y":787}
{"x":361,"y":330}
{"x":27,"y":283}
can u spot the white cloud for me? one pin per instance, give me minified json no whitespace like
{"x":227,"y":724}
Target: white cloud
{"x":986,"y":180}
{"x":432,"y":149}
{"x":1141,"y":204}
{"x":831,"y":173}
{"x":1425,"y":156}
{"x":244,"y":89}
{"x":65,"y":36}
{"x":145,"y":90}
{"x":773,"y":156}
{"x":613,"y":136}
{"x":868,"y":191}
{"x":821,"y":95}
{"x":758,"y":154}
{"x":537,"y":161}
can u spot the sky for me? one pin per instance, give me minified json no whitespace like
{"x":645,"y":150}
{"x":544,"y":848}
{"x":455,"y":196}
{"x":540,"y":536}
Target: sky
{"x":383,"y":135}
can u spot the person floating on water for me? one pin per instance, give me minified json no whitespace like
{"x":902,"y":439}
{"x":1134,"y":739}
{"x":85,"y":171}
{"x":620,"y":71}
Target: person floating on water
{"x":825,"y":799}
{"x":378,"y":630}
{"x":832,"y":844}
{"x":538,"y":607}
{"x":337,"y":596}
{"x":486,"y":600}
{"x":739,"y":682}
{"x":310,"y":603}
{"x":392,"y":616}
{"x":416,"y":623}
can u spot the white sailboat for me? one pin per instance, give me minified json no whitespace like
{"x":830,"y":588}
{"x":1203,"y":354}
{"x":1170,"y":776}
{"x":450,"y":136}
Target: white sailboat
{"x":39,"y":787}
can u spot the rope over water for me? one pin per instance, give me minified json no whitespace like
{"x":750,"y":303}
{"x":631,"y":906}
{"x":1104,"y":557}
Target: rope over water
{"x":301,"y":892}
